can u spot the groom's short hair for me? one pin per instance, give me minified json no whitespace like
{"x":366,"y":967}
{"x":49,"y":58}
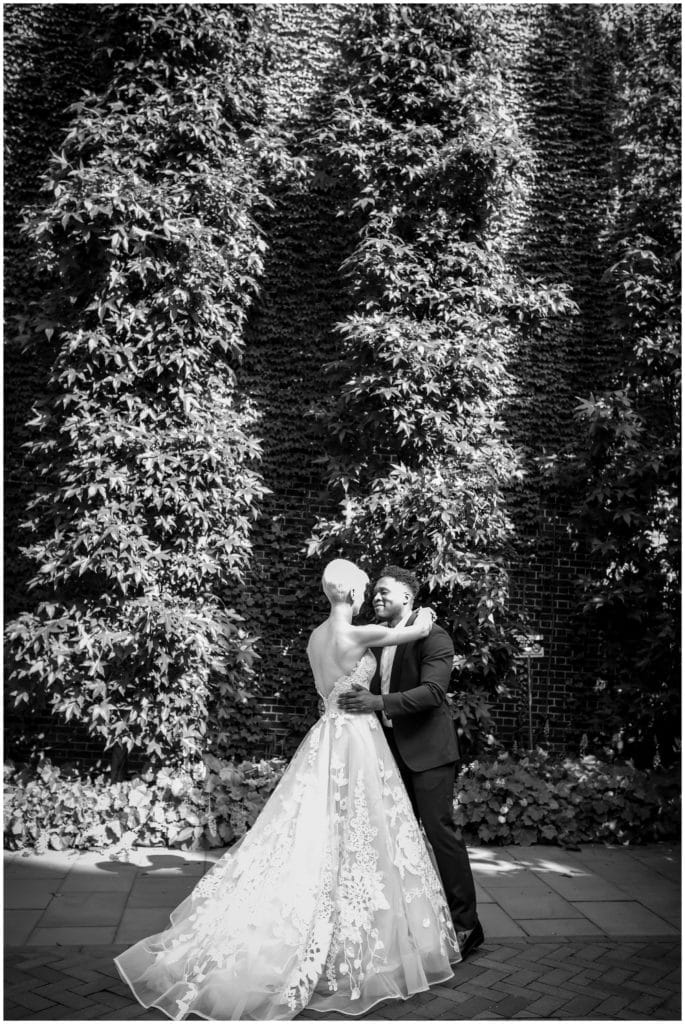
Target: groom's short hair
{"x":340,"y":577}
{"x":396,"y":572}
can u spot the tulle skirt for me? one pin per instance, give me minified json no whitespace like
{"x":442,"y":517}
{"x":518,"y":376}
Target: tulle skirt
{"x":331,"y":901}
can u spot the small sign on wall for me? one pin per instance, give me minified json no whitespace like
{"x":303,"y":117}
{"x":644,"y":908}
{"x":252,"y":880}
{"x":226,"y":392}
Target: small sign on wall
{"x":531,"y":645}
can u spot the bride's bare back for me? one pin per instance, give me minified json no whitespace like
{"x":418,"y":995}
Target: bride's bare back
{"x":335,"y":647}
{"x":332,"y":653}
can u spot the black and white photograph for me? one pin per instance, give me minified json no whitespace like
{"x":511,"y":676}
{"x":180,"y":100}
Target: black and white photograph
{"x":342,"y":537}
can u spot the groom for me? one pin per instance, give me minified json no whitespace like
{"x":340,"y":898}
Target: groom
{"x":408,"y":694}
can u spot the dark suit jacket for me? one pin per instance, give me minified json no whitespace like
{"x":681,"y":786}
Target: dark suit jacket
{"x":423,"y":726}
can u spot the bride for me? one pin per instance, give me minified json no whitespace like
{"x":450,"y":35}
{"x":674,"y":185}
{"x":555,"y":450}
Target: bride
{"x":331,"y":900}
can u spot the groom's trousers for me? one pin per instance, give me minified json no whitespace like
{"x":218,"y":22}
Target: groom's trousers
{"x":432,"y":793}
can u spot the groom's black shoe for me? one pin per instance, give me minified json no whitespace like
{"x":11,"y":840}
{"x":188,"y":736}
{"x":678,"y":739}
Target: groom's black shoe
{"x":470,"y":941}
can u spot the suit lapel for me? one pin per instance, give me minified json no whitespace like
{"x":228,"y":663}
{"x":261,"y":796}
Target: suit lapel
{"x":400,"y":651}
{"x":396,"y":671}
{"x":375,"y":684}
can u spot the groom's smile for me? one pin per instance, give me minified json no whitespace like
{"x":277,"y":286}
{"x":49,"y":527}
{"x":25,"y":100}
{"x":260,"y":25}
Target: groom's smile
{"x":391,"y":600}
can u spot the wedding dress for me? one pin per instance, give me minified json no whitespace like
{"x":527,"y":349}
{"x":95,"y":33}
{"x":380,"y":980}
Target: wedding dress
{"x":330,"y":902}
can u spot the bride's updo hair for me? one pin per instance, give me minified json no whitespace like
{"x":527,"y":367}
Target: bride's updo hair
{"x":340,"y":577}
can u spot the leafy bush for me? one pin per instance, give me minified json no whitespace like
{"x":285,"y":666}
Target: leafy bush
{"x":504,"y":801}
{"x":420,"y":140}
{"x":142,"y":519}
{"x":211,"y":804}
{"x":538,"y":800}
{"x":472,"y":714}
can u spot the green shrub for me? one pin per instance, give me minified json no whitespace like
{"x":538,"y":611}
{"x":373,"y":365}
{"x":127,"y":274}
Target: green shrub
{"x":539,"y":800}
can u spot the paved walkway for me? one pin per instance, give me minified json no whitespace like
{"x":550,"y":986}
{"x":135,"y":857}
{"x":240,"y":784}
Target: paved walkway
{"x":588,"y":934}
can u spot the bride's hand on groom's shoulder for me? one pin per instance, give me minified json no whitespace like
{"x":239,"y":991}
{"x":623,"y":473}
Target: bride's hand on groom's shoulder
{"x":425,"y":617}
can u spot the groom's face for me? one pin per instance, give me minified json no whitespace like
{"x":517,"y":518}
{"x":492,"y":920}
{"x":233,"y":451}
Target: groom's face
{"x":391,"y":599}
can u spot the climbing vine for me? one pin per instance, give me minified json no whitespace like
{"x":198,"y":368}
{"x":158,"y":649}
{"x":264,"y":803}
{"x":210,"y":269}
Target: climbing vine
{"x":47,"y":54}
{"x":150,"y":257}
{"x":628,"y":473}
{"x":417,"y":451}
{"x":450,"y":368}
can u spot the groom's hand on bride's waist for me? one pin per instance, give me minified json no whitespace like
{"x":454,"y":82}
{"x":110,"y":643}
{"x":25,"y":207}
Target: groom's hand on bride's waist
{"x":358,"y":700}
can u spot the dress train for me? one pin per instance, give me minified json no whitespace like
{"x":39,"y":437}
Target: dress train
{"x":330,"y":902}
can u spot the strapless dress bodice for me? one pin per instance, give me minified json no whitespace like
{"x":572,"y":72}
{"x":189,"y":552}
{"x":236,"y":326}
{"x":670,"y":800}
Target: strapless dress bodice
{"x":361,"y":674}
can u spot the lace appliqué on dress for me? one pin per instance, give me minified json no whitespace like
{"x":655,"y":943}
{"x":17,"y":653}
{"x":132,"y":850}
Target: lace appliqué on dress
{"x":330,"y":901}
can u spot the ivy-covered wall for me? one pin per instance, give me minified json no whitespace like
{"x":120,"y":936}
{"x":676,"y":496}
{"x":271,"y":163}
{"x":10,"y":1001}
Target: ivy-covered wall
{"x":556,"y":67}
{"x":47,"y":65}
{"x":288,"y":341}
{"x":556,"y":64}
{"x":558,"y":74}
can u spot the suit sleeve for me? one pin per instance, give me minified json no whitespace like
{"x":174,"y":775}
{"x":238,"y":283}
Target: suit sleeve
{"x":437,"y":656}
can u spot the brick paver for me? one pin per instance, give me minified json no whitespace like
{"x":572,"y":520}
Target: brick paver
{"x":590,"y":934}
{"x":614,"y":979}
